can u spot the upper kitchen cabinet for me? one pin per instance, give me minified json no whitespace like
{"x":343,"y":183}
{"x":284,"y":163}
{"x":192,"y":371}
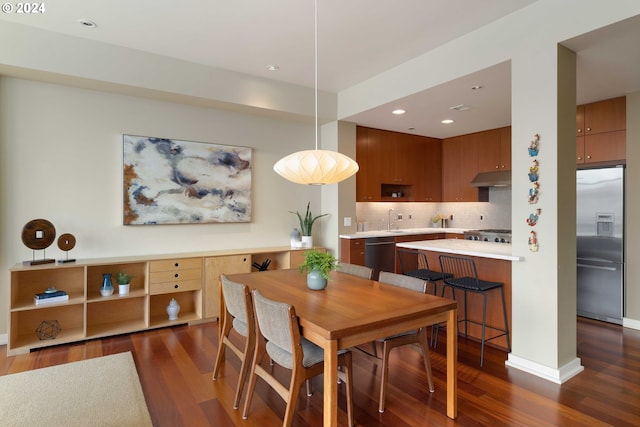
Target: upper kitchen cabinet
{"x":428,"y":167}
{"x":601,"y":131}
{"x":459,"y":167}
{"x":494,"y":150}
{"x":369,"y":158}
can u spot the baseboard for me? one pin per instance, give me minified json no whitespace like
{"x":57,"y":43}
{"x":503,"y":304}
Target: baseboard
{"x":631,"y":323}
{"x":558,"y":376}
{"x":4,"y":339}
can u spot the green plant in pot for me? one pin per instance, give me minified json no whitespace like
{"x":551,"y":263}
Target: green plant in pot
{"x":124,"y":281}
{"x":306,"y":225}
{"x":318,"y":265}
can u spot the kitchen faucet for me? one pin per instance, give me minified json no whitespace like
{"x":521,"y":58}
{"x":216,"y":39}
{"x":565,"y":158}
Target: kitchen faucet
{"x":389,"y":220}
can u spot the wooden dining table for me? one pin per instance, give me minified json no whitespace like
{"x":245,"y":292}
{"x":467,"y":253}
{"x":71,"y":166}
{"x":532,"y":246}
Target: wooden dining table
{"x":351,"y":311}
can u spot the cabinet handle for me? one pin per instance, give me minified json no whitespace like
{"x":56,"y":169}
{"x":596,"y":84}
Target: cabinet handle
{"x":579,"y":130}
{"x":579,"y":158}
{"x":588,"y":128}
{"x":176,"y":275}
{"x":176,"y":286}
{"x":588,"y":157}
{"x":177,"y":264}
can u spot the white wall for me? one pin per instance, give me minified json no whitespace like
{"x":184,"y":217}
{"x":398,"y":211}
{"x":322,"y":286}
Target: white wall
{"x":61,"y":160}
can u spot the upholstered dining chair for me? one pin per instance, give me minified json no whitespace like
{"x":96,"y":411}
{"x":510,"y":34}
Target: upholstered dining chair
{"x":238,"y":315}
{"x":278,"y":335}
{"x":418,"y":337}
{"x":356,"y":270}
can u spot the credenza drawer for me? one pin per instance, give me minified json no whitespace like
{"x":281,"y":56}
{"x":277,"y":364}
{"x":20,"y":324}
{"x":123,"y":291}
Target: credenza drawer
{"x":175,"y":286}
{"x":175,"y":264}
{"x":174,"y":275}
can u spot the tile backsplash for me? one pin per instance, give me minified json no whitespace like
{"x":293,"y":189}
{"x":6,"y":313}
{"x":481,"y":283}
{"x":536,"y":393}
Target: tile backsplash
{"x":493,"y":214}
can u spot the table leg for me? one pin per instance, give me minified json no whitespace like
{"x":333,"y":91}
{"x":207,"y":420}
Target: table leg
{"x":331,"y":384}
{"x":452,"y":364}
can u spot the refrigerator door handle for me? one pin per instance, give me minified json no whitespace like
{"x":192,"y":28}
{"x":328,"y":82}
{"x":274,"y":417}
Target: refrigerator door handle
{"x":597,"y":267}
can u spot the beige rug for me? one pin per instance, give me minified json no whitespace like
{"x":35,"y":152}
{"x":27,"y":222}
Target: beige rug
{"x":104,"y":391}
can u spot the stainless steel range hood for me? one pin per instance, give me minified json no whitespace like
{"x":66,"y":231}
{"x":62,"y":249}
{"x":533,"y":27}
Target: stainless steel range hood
{"x":492,"y":179}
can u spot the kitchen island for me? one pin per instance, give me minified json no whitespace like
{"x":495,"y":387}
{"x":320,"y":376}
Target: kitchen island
{"x":493,"y":263}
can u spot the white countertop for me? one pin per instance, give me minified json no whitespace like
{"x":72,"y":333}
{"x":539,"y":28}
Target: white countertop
{"x":465,"y":247}
{"x":402,"y":232}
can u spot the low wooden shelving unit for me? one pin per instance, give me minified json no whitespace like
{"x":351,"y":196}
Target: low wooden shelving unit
{"x":191,"y":279}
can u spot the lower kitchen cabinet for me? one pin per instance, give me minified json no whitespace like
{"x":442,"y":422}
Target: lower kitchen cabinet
{"x":192,"y":280}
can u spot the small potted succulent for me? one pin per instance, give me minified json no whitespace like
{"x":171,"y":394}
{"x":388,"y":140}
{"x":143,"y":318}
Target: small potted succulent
{"x":124,"y":280}
{"x":318,"y":264}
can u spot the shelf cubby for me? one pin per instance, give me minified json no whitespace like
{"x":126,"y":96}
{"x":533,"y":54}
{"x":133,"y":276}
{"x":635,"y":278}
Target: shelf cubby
{"x":190,"y":308}
{"x":115,"y":315}
{"x":24,"y":324}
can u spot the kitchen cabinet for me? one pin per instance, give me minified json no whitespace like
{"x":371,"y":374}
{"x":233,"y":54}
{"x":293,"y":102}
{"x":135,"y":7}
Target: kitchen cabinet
{"x":352,"y":251}
{"x":601,"y":132}
{"x":428,"y":182}
{"x":459,"y":167}
{"x":494,"y":150}
{"x":602,"y":116}
{"x":369,"y":158}
{"x":214,"y":267}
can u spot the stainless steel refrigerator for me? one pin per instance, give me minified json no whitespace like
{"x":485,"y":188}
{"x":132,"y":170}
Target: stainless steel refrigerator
{"x":600,"y":241}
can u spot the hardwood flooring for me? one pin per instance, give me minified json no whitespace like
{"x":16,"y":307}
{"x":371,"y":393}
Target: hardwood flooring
{"x":175,"y":366}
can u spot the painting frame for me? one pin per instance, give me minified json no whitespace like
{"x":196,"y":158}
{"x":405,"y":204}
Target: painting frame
{"x":174,"y":181}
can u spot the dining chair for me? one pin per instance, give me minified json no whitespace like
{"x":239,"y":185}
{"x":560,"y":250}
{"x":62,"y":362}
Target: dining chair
{"x":356,"y":270}
{"x":278,"y":335}
{"x":238,"y":315}
{"x":418,"y":337}
{"x":463,"y":275}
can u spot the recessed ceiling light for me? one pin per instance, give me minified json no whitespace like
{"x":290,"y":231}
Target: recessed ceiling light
{"x":273,"y":67}
{"x":447,"y":121}
{"x":398,"y":112}
{"x":87,"y":23}
{"x":476,"y":87}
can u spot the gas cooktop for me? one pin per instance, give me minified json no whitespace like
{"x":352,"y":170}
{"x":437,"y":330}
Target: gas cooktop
{"x":489,"y":235}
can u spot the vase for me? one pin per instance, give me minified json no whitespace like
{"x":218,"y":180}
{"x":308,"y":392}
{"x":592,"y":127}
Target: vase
{"x":173,"y":309}
{"x":107,"y":287}
{"x":315,"y":281}
{"x":123,"y":289}
{"x":307,"y":241}
{"x":296,"y":239}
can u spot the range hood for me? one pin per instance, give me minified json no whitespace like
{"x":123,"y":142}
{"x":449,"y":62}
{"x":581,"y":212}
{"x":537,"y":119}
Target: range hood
{"x":492,"y":179}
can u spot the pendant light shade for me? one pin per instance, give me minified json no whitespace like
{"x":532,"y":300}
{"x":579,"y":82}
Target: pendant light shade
{"x":316,"y":167}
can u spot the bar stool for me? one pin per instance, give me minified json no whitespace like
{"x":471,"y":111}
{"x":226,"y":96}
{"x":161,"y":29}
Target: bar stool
{"x":415,"y":264}
{"x":462,"y":274}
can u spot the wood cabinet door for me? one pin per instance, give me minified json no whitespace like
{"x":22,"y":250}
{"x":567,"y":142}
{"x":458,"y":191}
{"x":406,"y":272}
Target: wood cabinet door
{"x":489,"y":151}
{"x":213,"y":268}
{"x":605,"y":147}
{"x":580,"y":120}
{"x":605,"y":116}
{"x":369,"y":156}
{"x":362,"y":159}
{"x":579,"y":150}
{"x":505,"y":147}
{"x":428,"y":185}
{"x":468,"y":167}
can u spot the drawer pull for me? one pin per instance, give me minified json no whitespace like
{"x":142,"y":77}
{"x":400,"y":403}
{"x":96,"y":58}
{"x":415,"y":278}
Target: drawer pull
{"x":176,"y":275}
{"x":176,"y":286}
{"x":177,"y":264}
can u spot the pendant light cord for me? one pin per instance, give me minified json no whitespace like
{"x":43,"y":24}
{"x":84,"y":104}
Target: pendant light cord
{"x":315,"y":81}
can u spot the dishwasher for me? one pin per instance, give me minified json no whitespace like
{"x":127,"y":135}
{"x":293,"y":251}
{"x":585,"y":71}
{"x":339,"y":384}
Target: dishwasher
{"x":380,"y":254}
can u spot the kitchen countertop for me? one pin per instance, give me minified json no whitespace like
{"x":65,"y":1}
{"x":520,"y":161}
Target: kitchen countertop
{"x":465,"y":247}
{"x":402,"y":232}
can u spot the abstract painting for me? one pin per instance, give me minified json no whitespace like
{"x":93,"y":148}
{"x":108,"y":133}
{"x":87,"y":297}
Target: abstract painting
{"x":168,"y":181}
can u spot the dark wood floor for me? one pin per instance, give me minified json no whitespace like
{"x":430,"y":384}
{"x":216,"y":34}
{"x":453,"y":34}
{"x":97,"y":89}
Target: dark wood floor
{"x":175,"y":366}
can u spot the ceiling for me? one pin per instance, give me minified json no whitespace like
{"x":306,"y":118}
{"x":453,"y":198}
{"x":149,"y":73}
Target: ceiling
{"x":357,"y":39}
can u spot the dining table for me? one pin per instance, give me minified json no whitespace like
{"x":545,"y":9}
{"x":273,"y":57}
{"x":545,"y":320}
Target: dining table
{"x":352,"y":311}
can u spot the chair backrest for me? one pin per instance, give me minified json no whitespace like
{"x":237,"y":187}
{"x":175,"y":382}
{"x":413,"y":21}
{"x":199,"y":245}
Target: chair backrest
{"x":411,"y":260}
{"x":356,"y":270}
{"x":403,"y":281}
{"x":278,"y":324}
{"x":462,"y":270}
{"x":237,"y":298}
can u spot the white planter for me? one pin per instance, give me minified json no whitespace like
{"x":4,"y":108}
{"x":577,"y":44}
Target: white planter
{"x":307,"y":241}
{"x":123,"y":289}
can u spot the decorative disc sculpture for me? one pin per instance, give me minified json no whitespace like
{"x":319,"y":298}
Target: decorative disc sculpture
{"x":66,"y":242}
{"x":38,"y":234}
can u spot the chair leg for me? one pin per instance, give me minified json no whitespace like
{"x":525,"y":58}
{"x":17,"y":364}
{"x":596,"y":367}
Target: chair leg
{"x":484,"y":322}
{"x":294,"y":390}
{"x":384,"y":375}
{"x":347,"y":378}
{"x":309,"y":390}
{"x":224,"y":333}
{"x":506,"y":322}
{"x":466,"y":316}
{"x":422,"y":340}
{"x":244,"y":369}
{"x":253,"y":377}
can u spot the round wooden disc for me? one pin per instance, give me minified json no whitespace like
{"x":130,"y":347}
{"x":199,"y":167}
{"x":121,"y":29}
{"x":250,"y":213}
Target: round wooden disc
{"x":66,"y":242}
{"x":38,"y":234}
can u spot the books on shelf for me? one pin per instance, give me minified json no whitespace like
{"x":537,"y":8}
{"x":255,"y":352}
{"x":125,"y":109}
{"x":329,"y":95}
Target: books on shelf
{"x":50,"y":297}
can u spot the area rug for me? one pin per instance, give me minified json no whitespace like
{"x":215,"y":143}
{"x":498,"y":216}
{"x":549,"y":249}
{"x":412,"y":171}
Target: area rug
{"x":104,"y":391}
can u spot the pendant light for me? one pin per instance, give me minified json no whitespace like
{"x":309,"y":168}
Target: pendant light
{"x":316,"y":167}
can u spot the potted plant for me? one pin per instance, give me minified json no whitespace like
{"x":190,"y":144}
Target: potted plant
{"x":306,"y":225}
{"x":318,"y":265}
{"x":124,"y":280}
